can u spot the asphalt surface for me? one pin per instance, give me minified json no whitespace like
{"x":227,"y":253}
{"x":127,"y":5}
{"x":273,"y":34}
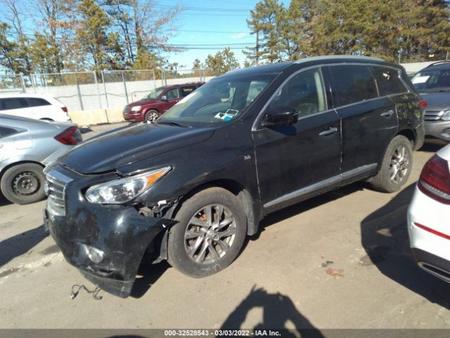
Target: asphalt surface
{"x":337,"y":261}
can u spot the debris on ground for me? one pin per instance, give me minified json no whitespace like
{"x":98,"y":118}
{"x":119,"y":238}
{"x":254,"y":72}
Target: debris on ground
{"x":76,"y":288}
{"x":327,"y":263}
{"x":335,"y":272}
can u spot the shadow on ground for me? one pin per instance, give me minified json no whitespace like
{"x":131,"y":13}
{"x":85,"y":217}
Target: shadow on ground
{"x":432,"y":145}
{"x":147,"y":276}
{"x":278,"y":310}
{"x":384,"y":236}
{"x":21,"y":243}
{"x":3,"y":201}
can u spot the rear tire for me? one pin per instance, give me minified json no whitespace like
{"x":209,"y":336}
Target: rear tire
{"x":151,"y":116}
{"x":23,"y":183}
{"x":396,"y":166}
{"x":209,"y":234}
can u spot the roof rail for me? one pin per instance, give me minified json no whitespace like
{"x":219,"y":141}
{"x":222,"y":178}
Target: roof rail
{"x":439,"y":63}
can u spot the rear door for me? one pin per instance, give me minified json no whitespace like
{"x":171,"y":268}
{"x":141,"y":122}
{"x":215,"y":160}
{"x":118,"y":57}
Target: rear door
{"x":369,"y":121}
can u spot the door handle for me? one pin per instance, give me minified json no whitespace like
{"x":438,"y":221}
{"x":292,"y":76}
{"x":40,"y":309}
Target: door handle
{"x":329,"y":131}
{"x":387,"y":114}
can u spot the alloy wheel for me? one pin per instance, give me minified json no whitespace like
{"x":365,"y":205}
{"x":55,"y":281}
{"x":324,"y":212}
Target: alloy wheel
{"x":399,"y":165}
{"x":210,"y":234}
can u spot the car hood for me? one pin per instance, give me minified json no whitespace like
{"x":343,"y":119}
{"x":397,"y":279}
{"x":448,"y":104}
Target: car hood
{"x":437,"y":101}
{"x":126,"y":146}
{"x":142,"y":102}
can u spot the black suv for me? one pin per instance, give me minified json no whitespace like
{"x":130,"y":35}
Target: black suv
{"x":192,"y":186}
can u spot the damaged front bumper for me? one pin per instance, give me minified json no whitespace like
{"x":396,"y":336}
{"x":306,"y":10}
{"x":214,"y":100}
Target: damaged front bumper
{"x":106,"y":243}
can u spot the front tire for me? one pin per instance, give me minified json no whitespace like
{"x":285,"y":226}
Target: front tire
{"x":151,"y":116}
{"x":396,"y":166}
{"x":209,"y":234}
{"x":23,"y":183}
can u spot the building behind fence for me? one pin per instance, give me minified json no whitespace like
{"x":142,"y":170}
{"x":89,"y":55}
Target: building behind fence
{"x":105,"y":92}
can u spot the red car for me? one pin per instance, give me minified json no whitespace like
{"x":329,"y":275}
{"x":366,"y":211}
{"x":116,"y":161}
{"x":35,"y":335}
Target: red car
{"x":157,"y":102}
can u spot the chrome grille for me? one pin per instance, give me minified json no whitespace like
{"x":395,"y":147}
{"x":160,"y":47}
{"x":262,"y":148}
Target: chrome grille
{"x":433,"y":115}
{"x":56,"y":186}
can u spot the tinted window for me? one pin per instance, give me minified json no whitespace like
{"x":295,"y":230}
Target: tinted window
{"x":13,"y":103}
{"x":432,"y":80}
{"x":388,"y":81}
{"x":172,"y":94}
{"x":5,"y":131}
{"x":36,"y":102}
{"x":352,"y":84}
{"x":303,"y":94}
{"x":185,"y":91}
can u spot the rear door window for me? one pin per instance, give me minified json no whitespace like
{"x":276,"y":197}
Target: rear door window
{"x":185,"y":91}
{"x":388,"y":81}
{"x":352,"y":83}
{"x":36,"y":102}
{"x":13,"y":103}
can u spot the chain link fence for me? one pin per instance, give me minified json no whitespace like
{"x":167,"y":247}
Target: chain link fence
{"x":81,"y":91}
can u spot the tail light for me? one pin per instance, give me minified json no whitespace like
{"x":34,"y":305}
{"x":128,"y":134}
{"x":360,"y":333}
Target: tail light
{"x":435,"y":180}
{"x":70,"y":136}
{"x":423,"y":104}
{"x":65,"y":109}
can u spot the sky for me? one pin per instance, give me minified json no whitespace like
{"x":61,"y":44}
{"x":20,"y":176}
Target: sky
{"x":209,"y":26}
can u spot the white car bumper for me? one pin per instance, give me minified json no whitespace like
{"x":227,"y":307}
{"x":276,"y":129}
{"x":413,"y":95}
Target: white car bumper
{"x":429,"y":233}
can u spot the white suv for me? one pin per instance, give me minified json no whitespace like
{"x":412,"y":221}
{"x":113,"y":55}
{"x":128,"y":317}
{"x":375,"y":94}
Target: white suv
{"x":429,"y":215}
{"x":35,"y":106}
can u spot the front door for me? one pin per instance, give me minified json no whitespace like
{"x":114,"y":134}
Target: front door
{"x":294,"y":161}
{"x":172,"y":97}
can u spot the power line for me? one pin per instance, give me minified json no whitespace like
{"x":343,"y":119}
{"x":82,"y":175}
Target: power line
{"x":212,"y":32}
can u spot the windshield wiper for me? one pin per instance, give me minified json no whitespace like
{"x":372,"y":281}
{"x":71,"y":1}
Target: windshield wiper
{"x":172,"y":123}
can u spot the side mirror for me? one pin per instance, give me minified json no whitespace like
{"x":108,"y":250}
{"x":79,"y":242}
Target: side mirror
{"x":164,"y":98}
{"x":286,"y":118}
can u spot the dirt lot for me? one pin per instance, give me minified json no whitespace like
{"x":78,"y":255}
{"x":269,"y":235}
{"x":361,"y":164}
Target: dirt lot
{"x":337,"y":261}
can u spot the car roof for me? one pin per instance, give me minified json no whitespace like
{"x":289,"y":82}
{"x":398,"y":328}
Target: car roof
{"x":13,"y":95}
{"x":178,"y":85}
{"x":22,"y":122}
{"x":329,"y":59}
{"x":444,"y":65}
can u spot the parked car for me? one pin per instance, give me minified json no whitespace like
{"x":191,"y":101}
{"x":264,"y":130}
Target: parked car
{"x":433,"y":84}
{"x":157,"y":102}
{"x":192,"y":186}
{"x":35,"y":106}
{"x":428,"y":216}
{"x":26,"y":147}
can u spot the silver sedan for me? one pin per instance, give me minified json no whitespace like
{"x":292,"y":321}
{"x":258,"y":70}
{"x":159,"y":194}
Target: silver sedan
{"x":26,"y":147}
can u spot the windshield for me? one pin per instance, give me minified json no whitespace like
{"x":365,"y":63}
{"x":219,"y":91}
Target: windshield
{"x":221,"y":100}
{"x":154,"y":94}
{"x":432,"y":80}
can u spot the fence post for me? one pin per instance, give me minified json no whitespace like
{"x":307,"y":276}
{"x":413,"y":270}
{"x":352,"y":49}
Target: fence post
{"x":164,"y":77}
{"x":22,"y":81}
{"x":79,"y":93}
{"x":125,"y":87}
{"x":98,"y":90}
{"x":154,"y":78}
{"x":32,"y":79}
{"x":104,"y":89}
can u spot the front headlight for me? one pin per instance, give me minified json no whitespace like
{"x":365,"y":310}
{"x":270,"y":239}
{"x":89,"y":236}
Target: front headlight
{"x":446,"y":115}
{"x":125,"y":189}
{"x":136,"y":108}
